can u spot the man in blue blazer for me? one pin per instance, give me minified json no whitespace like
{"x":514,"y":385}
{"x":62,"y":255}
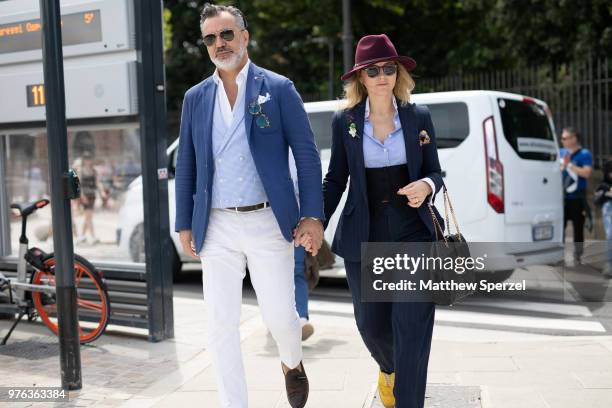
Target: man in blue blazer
{"x":235,"y":201}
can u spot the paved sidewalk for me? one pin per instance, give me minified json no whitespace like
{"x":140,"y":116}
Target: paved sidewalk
{"x":469,"y":367}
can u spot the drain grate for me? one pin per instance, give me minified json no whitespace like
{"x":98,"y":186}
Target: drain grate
{"x":35,"y":348}
{"x":446,"y":396}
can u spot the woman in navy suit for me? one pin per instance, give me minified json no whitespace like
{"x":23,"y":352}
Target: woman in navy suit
{"x":387,"y":147}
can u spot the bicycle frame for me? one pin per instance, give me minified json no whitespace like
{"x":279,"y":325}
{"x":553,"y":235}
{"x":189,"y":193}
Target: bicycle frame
{"x":20,"y":285}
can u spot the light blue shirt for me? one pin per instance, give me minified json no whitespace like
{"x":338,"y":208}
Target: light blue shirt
{"x":236,"y":182}
{"x":392,"y":151}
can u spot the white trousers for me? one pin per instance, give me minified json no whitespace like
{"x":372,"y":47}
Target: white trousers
{"x":233,"y":242}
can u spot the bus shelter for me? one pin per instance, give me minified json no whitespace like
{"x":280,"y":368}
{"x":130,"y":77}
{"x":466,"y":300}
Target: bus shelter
{"x":116,"y":125}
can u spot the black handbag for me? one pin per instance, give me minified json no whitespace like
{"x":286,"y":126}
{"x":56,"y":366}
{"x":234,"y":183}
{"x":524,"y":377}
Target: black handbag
{"x":449,"y":247}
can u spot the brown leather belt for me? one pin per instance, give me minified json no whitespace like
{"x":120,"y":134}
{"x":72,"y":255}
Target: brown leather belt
{"x":248,"y":208}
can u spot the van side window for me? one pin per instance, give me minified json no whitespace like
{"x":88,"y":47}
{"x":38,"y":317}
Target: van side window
{"x":321,"y":122}
{"x":527,"y":129}
{"x":451,"y":122}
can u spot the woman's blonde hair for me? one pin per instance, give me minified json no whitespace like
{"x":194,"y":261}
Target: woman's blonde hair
{"x":355,"y":91}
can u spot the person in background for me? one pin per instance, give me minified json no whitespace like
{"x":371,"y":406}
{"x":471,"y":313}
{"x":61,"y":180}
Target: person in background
{"x":603,"y":198}
{"x":299,"y":271}
{"x":301,"y":292}
{"x":90,"y":184}
{"x":576,"y":167}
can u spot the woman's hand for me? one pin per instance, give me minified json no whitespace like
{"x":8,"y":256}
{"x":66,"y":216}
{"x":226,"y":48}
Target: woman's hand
{"x":416,"y":192}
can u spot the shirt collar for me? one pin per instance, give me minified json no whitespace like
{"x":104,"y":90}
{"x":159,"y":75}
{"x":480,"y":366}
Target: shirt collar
{"x":240,"y":79}
{"x":367,"y":106}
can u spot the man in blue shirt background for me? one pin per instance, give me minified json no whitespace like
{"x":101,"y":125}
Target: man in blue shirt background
{"x":577,"y":167}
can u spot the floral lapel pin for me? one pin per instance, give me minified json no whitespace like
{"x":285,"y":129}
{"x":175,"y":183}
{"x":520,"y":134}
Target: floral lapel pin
{"x":424,"y":138}
{"x":352,"y":129}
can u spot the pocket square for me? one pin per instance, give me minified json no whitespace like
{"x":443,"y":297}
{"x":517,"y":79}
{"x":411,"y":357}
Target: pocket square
{"x":261,"y":99}
{"x":424,"y":138}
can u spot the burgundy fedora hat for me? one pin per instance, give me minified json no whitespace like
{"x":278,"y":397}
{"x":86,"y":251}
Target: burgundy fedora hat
{"x":376,"y":48}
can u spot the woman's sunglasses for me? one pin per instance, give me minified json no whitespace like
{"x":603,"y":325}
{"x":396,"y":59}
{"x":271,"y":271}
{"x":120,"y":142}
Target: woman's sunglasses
{"x":226,"y":35}
{"x":374,"y":70}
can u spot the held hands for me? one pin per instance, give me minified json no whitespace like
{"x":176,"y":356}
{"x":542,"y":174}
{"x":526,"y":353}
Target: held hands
{"x":309,"y":234}
{"x":187,"y":243}
{"x":416,"y":192}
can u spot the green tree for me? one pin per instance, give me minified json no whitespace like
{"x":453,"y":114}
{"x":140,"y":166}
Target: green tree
{"x":446,"y":37}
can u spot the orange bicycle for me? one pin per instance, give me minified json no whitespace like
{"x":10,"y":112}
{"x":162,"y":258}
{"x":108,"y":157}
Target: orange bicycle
{"x":37,"y":298}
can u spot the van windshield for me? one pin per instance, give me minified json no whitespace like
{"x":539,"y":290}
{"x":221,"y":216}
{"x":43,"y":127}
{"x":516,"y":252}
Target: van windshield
{"x":527,"y":129}
{"x":320,"y":122}
{"x":451,"y":123}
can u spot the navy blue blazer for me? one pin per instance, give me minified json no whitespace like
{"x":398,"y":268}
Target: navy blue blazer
{"x":347,"y":160}
{"x":289,"y":127}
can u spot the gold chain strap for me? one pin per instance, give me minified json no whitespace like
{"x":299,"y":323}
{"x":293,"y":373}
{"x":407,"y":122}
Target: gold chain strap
{"x":452,"y":212}
{"x":437,"y":225}
{"x":448,"y":208}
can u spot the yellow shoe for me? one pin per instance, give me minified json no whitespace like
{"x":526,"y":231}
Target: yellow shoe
{"x":385,"y":389}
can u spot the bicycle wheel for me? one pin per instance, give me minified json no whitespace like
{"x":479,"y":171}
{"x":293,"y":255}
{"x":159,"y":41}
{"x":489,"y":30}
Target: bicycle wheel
{"x":93,"y":305}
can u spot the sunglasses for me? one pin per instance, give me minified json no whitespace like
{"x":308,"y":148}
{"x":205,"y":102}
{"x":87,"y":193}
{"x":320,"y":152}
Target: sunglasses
{"x":260,"y":118}
{"x":226,"y":35}
{"x":374,"y":70}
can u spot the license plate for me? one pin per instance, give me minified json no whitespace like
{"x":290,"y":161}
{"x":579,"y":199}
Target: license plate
{"x":542,"y":232}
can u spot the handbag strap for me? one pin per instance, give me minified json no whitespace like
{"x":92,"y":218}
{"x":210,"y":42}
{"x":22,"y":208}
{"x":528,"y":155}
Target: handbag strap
{"x":448,"y":205}
{"x":437,"y":225}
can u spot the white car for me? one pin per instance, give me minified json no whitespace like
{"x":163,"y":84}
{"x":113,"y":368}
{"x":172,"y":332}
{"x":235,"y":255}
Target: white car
{"x":498,"y":153}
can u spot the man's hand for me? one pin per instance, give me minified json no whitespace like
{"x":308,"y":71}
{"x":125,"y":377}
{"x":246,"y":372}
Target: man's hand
{"x":416,"y":192}
{"x":309,"y":234}
{"x":187,"y":243}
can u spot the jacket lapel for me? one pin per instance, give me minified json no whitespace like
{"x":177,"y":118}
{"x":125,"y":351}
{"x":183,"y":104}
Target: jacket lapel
{"x":205,"y":111}
{"x":408,"y":120}
{"x":255,"y":79}
{"x":357,"y":115}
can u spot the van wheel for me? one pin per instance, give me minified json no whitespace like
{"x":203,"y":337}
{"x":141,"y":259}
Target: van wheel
{"x":137,"y":252}
{"x":495,"y":276}
{"x":137,"y":244}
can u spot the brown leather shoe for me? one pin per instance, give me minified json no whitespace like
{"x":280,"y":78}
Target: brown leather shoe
{"x":296,"y":383}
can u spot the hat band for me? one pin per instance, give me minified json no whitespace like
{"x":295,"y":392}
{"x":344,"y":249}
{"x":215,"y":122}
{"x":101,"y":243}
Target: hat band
{"x":375,"y":60}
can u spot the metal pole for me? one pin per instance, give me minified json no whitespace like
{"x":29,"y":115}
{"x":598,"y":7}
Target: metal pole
{"x":5,"y":231}
{"x":153,"y":142}
{"x":70,"y":356}
{"x":347,"y":36}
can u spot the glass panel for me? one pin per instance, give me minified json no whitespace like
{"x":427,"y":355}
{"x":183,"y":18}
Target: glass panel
{"x":527,"y":129}
{"x":107,"y":160}
{"x":451,"y":123}
{"x":320,"y":122}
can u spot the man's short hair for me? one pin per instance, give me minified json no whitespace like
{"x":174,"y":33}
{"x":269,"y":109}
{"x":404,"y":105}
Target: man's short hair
{"x":213,"y":10}
{"x":572,"y":130}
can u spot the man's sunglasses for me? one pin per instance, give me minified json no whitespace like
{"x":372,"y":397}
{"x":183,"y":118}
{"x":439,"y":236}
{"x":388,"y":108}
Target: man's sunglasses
{"x":374,"y":70}
{"x":226,"y":35}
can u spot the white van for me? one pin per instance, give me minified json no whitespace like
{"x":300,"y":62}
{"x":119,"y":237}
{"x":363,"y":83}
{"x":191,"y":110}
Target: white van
{"x":498,"y":153}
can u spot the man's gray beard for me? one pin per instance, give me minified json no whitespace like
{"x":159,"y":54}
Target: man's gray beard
{"x":231,"y":62}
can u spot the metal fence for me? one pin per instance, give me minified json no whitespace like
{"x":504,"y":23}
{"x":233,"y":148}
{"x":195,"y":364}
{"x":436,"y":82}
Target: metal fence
{"x":579,"y":95}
